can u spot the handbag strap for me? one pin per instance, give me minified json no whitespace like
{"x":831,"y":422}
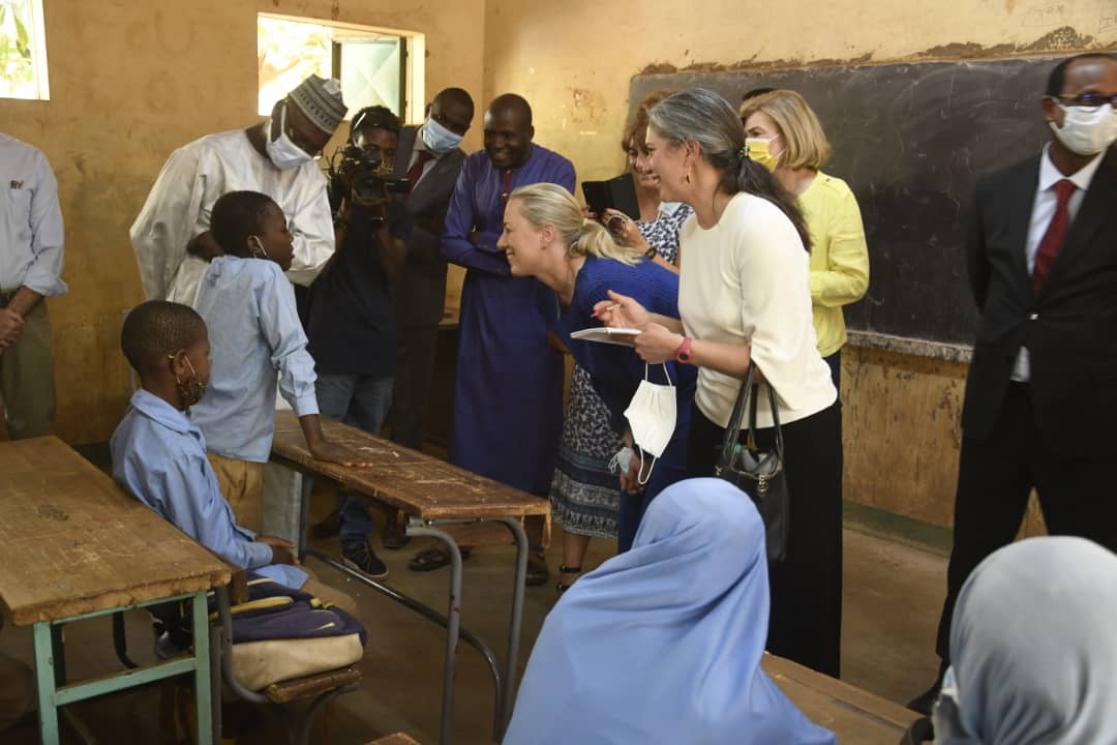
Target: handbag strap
{"x":774,"y":407}
{"x":733,"y":429}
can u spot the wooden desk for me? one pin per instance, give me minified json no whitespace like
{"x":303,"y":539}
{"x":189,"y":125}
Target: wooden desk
{"x":431,"y":493}
{"x":74,"y":546}
{"x":857,"y":717}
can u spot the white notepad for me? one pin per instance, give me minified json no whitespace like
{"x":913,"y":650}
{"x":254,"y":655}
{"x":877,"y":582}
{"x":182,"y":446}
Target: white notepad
{"x":606,"y":335}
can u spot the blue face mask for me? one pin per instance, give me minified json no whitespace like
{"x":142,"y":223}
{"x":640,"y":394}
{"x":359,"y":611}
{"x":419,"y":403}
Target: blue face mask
{"x":437,"y":138}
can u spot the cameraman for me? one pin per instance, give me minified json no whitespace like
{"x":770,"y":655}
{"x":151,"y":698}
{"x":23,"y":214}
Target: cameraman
{"x":350,"y":321}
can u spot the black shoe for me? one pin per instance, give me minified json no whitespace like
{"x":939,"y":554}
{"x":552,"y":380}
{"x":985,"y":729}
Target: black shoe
{"x":329,"y":527}
{"x":924,"y":701}
{"x":430,"y":559}
{"x":395,"y":536}
{"x":361,"y":557}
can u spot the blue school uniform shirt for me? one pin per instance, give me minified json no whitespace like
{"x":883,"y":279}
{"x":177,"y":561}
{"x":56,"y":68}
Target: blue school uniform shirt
{"x":159,"y":456}
{"x":254,"y":332}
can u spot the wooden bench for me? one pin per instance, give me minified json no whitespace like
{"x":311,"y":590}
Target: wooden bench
{"x":74,"y":546}
{"x":857,"y":717}
{"x":433,"y":494}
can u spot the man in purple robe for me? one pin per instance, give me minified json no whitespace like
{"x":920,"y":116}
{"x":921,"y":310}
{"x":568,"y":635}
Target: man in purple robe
{"x":508,"y":386}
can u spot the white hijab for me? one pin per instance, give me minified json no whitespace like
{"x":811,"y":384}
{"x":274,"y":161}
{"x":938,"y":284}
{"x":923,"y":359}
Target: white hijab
{"x":1034,"y":649}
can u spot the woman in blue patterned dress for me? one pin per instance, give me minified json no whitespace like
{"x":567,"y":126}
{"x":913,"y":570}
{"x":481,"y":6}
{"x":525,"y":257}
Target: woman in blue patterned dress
{"x":585,"y":494}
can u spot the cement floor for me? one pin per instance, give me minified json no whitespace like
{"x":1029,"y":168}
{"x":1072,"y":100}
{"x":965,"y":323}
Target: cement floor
{"x":893,"y":593}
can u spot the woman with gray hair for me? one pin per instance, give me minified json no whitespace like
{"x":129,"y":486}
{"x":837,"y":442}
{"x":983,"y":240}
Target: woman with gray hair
{"x":744,"y":299}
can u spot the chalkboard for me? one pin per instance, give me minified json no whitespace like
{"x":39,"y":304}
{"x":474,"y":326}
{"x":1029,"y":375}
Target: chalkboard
{"x":911,"y":140}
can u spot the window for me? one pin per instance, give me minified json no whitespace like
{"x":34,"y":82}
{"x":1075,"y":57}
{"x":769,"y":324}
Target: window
{"x":23,"y":53}
{"x":375,"y":66}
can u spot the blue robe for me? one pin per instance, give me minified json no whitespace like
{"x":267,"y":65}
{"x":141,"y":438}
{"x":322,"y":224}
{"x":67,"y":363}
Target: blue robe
{"x":616,"y":371}
{"x":663,"y":644}
{"x":508,"y":385}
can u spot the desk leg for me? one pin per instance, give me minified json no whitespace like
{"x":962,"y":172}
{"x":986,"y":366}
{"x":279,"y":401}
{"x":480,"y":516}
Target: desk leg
{"x":515,"y":625}
{"x":202,"y":690}
{"x":306,"y":488}
{"x":44,"y":672}
{"x":453,"y":625}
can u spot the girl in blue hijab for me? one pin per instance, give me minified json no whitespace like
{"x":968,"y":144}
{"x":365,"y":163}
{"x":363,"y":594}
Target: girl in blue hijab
{"x":663,"y":644}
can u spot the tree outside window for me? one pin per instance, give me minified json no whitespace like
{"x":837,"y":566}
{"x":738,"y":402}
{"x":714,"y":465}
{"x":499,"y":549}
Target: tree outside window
{"x":23,"y":59}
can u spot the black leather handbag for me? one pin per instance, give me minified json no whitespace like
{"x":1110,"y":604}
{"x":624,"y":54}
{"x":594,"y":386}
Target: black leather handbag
{"x":758,"y":473}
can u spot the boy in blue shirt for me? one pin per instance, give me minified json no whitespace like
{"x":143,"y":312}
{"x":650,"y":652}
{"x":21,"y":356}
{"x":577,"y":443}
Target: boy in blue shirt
{"x":159,"y":455}
{"x":249,"y":308}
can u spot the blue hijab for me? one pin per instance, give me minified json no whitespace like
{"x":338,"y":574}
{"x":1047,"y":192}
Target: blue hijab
{"x":663,"y":644}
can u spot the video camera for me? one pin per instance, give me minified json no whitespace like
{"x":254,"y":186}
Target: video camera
{"x":364,"y":175}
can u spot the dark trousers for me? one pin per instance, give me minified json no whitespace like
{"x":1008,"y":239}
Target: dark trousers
{"x":995,"y":477}
{"x":414,"y":373}
{"x":806,"y":588}
{"x":834,"y":361}
{"x":27,"y":377}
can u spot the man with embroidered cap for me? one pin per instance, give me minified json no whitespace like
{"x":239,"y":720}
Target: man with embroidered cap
{"x":276,"y":157}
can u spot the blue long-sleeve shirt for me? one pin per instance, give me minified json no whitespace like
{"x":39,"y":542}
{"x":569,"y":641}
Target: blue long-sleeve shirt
{"x":616,"y":371}
{"x":254,"y":332}
{"x":159,"y":456}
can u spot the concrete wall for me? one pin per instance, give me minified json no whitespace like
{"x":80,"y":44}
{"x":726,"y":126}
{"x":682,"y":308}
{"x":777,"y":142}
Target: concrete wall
{"x":574,"y":61}
{"x":131,"y":81}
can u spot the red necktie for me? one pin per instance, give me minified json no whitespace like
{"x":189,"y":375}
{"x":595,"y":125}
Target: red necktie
{"x":416,"y":171}
{"x":507,"y":190}
{"x":1056,"y":231}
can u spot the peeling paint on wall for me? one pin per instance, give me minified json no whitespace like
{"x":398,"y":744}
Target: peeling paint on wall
{"x":1061,"y":39}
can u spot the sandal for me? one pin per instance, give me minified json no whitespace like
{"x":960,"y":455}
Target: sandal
{"x":433,"y":558}
{"x":562,"y":587}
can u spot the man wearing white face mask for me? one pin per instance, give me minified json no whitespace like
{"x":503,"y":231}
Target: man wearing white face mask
{"x":276,"y":157}
{"x":431,"y":157}
{"x":1041,"y":396}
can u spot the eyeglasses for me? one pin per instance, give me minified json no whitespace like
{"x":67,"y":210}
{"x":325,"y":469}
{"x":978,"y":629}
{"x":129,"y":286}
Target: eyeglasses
{"x":1092,"y":100}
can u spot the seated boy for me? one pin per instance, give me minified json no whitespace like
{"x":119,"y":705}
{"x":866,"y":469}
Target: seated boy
{"x":159,"y":455}
{"x":249,"y":309}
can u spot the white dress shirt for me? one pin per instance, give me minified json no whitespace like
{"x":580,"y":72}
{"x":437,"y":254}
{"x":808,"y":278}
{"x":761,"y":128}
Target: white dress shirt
{"x":178,"y":209}
{"x":30,"y":221}
{"x":1043,"y":209}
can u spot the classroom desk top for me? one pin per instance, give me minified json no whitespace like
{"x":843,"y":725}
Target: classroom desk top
{"x":72,"y":542}
{"x":856,"y":716}
{"x":418,"y":484}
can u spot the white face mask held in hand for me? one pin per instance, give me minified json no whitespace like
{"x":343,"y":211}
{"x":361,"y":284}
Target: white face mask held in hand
{"x":651,"y":417}
{"x":1087,"y":130}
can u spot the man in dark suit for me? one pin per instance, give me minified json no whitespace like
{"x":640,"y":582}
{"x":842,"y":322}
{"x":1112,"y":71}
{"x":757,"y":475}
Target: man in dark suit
{"x":1041,"y":397}
{"x":429,"y":155}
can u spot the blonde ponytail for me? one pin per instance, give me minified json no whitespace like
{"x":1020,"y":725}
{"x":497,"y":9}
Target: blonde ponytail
{"x":550,"y":204}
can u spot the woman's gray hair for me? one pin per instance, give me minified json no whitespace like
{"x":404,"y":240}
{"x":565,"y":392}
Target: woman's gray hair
{"x":702,"y":116}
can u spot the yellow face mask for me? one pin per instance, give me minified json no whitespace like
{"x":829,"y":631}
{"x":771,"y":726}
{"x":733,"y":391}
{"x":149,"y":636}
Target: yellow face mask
{"x":759,"y":149}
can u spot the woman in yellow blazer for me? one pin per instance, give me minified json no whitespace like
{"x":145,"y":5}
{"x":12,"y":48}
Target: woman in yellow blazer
{"x":784,"y":134}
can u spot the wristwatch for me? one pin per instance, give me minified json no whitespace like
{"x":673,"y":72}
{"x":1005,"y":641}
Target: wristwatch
{"x":682,"y":353}
{"x":651,"y":253}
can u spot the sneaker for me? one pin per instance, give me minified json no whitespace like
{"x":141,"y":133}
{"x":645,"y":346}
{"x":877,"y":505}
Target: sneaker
{"x":363,"y":559}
